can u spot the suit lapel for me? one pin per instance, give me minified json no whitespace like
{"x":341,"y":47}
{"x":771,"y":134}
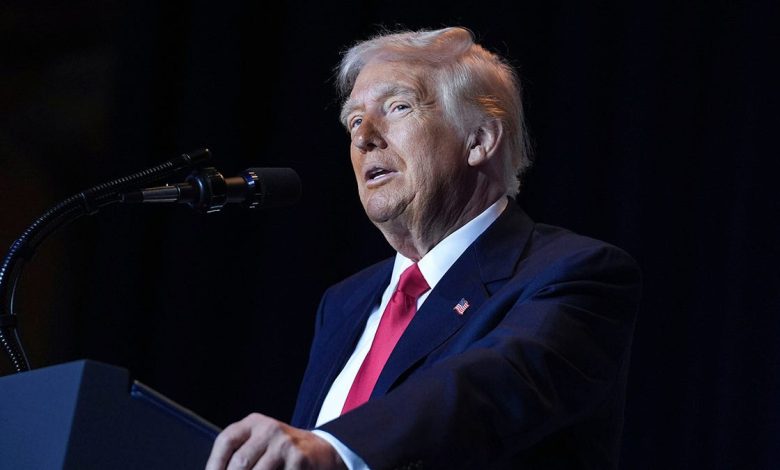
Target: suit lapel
{"x":341,"y":337}
{"x":436,"y":320}
{"x":475,"y":276}
{"x":502,"y":246}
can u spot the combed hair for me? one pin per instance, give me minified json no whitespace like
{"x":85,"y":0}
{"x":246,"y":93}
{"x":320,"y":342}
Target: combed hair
{"x":475,"y":84}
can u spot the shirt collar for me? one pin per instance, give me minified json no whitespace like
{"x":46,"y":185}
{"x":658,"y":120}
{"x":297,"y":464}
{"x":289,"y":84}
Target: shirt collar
{"x":438,"y":261}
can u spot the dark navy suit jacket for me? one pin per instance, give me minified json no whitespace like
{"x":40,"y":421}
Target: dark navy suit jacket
{"x":531,"y":375}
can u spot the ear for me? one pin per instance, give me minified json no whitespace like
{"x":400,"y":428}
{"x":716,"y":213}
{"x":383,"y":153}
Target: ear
{"x":484,"y":142}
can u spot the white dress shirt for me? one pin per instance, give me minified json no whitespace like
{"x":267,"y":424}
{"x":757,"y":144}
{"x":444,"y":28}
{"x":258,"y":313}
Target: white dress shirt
{"x":433,"y":266}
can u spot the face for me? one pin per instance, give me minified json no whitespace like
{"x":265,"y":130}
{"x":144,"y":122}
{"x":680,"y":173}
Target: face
{"x":408,"y":159}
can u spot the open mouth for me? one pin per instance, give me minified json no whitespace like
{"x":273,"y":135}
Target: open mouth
{"x":377,"y":173}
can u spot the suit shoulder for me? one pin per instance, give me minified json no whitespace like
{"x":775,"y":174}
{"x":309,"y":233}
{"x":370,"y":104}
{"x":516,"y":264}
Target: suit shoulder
{"x":559,"y":239}
{"x":553,"y":246}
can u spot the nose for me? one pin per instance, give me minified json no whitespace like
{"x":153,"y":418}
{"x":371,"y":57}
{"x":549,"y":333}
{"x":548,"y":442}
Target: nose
{"x":368,"y":137}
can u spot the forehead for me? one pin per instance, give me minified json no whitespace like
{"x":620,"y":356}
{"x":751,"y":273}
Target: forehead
{"x":380,"y":79}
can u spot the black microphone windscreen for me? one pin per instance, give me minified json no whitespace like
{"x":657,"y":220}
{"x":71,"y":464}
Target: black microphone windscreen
{"x":279,"y":187}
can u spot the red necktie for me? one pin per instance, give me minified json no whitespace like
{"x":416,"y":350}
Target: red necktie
{"x":397,"y":315}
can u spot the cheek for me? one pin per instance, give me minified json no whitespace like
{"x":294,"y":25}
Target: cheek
{"x":442,"y":161}
{"x":356,"y":160}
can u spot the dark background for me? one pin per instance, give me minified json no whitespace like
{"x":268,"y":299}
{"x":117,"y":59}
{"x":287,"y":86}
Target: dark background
{"x":654,"y":128}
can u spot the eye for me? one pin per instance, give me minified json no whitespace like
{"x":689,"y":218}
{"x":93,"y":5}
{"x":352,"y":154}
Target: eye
{"x":356,"y":121}
{"x":399,"y":107}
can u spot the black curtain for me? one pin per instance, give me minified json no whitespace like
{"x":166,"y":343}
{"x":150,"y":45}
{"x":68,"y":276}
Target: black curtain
{"x":653,"y":126}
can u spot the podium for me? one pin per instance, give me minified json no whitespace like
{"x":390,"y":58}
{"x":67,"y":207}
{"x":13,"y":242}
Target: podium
{"x":90,"y":415}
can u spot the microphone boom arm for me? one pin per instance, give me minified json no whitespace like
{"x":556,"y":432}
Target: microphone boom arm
{"x":206,"y":190}
{"x":88,"y":202}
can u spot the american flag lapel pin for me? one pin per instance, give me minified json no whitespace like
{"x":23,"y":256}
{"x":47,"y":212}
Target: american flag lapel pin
{"x":461,"y":306}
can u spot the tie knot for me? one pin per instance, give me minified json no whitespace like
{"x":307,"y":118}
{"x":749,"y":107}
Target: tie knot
{"x":412,"y":282}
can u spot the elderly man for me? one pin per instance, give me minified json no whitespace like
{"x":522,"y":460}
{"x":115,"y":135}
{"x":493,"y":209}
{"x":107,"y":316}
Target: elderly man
{"x":488,"y":341}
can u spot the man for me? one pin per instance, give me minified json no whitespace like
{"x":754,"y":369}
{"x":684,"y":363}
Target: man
{"x":510,"y":348}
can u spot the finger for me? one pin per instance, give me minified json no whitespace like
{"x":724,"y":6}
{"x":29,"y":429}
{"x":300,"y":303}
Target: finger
{"x":272,"y":459}
{"x":248,"y":454}
{"x":276,"y":453}
{"x":283,"y":452}
{"x":226,"y":443}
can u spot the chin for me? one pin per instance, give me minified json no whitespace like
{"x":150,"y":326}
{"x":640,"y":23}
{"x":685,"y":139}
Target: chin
{"x":383,"y":207}
{"x":378,"y":217}
{"x":381,"y":214}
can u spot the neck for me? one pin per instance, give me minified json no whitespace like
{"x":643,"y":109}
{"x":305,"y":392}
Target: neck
{"x":415,"y":238}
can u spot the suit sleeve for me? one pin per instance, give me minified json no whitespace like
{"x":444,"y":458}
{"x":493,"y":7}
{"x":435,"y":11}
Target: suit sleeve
{"x":552,"y":357}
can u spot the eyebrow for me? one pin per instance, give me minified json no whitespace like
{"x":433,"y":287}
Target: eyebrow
{"x":384,"y":92}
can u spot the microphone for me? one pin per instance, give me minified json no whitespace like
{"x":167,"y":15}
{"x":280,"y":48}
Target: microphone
{"x":206,"y":190}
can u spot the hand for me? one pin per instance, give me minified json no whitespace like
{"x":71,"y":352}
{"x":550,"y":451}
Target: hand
{"x":260,"y":442}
